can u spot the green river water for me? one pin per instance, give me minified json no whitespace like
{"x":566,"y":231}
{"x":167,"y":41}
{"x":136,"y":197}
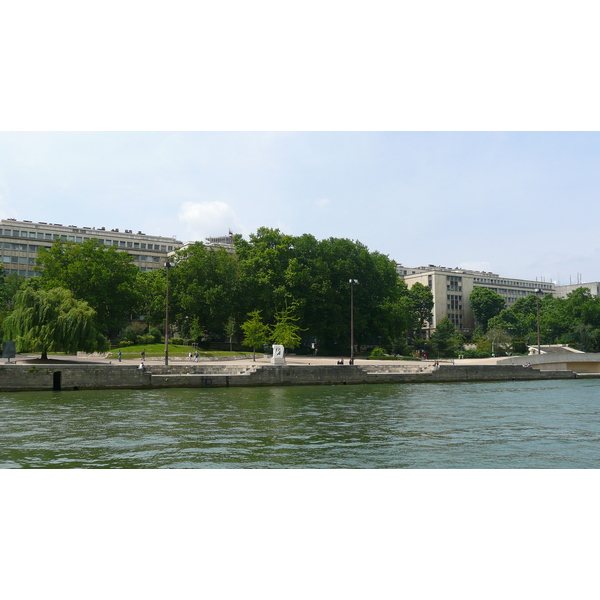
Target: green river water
{"x":553,"y":424}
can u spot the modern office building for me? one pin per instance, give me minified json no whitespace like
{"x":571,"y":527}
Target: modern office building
{"x":451,"y":289}
{"x":21,"y":241}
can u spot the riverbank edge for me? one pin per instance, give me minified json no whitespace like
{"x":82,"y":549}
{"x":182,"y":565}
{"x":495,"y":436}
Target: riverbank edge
{"x":57,"y":377}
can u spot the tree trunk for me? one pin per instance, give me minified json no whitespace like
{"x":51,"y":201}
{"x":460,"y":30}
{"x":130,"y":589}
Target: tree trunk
{"x":44,"y":355}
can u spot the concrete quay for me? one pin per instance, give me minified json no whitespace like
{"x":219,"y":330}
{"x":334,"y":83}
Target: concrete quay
{"x":88,"y":374}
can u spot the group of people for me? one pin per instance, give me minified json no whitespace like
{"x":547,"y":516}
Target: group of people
{"x":194,"y":357}
{"x":341,"y":361}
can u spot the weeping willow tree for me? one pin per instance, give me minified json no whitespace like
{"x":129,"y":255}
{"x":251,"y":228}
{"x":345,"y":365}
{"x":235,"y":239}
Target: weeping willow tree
{"x":52,"y":321}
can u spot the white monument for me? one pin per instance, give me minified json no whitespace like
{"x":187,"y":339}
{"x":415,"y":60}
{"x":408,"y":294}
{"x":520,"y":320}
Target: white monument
{"x":278,"y":358}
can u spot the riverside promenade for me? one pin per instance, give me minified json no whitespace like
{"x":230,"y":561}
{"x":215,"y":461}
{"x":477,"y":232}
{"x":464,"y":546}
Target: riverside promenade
{"x":94,"y":372}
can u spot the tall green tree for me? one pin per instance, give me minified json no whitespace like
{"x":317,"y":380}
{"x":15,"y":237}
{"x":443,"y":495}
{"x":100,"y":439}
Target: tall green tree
{"x":421,"y":303}
{"x":101,"y":275}
{"x":256,"y":333}
{"x":446,"y":340}
{"x":485,"y":304}
{"x":286,"y":330}
{"x":52,"y":320}
{"x":204,"y":290}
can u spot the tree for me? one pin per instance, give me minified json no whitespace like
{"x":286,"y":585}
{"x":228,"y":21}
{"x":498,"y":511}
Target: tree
{"x":421,"y":303}
{"x":230,"y":331}
{"x":256,"y":333}
{"x":204,"y":289}
{"x":101,"y":275}
{"x":285,"y":331}
{"x":445,"y":339}
{"x":485,"y":304}
{"x":52,"y":320}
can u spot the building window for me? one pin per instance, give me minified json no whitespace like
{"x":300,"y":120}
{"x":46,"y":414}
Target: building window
{"x":78,"y":240}
{"x":23,"y":234}
{"x":143,"y":246}
{"x":40,"y":236}
{"x":15,"y":233}
{"x":32,"y":234}
{"x":48,"y":236}
{"x":129,"y":244}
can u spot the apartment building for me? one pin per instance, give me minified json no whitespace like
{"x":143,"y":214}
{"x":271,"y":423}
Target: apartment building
{"x":20,"y":242}
{"x":451,"y":289}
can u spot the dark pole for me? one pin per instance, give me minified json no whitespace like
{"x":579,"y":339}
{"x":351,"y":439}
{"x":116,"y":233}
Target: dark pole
{"x":352,"y":282}
{"x":167,"y":267}
{"x":537,"y":297}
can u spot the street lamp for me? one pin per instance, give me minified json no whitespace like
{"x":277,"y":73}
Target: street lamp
{"x":168,"y":265}
{"x":537,"y":297}
{"x":352,"y":282}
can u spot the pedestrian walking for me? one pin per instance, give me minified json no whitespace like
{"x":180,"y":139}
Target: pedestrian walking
{"x":120,"y":355}
{"x":196,"y":356}
{"x":143,"y":355}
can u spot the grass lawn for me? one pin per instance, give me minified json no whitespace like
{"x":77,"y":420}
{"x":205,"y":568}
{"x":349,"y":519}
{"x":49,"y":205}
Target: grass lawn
{"x":158,"y":351}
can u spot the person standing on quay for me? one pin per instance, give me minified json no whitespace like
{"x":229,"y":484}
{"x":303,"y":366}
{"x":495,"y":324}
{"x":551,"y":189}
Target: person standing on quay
{"x":120,"y":355}
{"x":143,"y":355}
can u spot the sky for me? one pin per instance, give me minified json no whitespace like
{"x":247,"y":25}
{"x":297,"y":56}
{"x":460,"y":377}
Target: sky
{"x":520,"y":204}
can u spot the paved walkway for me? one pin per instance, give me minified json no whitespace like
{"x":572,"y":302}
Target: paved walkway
{"x":290,"y":360}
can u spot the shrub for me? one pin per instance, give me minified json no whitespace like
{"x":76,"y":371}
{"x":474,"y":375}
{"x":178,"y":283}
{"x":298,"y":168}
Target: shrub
{"x":474,"y":354}
{"x":378,"y":353}
{"x":156,"y":335}
{"x":145,"y":339}
{"x":128,"y":334}
{"x":125,"y":343}
{"x":176,"y":341}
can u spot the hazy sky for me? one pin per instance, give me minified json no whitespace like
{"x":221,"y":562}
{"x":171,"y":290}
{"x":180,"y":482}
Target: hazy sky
{"x":518,"y":204}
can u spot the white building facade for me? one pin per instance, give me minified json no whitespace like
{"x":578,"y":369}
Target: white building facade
{"x":20,"y":242}
{"x":451,"y":289}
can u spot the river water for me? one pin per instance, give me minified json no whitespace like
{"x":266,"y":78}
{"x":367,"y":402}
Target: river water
{"x":553,"y":424}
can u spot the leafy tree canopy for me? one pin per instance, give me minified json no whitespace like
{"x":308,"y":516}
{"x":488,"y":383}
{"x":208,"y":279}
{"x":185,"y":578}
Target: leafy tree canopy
{"x":101,"y":275}
{"x":485,"y":304}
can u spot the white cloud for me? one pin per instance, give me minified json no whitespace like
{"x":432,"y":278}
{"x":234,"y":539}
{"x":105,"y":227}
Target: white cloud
{"x":204,"y":219}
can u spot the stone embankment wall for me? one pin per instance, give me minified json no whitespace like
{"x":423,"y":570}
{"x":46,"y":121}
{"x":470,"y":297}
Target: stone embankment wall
{"x":69,"y":377}
{"x":48,"y":377}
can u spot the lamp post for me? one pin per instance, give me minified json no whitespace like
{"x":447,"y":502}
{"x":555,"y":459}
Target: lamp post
{"x":537,"y":297}
{"x":352,"y":282}
{"x":168,"y":265}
